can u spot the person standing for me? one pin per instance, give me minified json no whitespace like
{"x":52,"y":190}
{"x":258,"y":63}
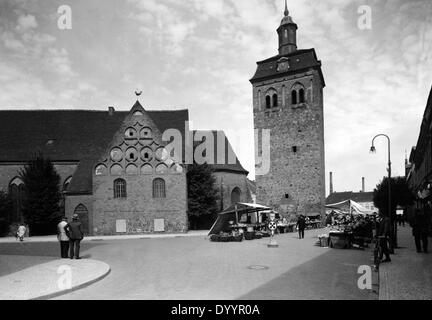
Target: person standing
{"x":21,"y":232}
{"x":74,"y":229}
{"x":301,"y":225}
{"x":63,"y":238}
{"x":420,"y":227}
{"x":383,"y":236}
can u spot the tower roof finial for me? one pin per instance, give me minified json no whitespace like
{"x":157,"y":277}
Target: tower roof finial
{"x":286,"y":13}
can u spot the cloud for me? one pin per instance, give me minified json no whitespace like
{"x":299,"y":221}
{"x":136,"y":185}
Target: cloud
{"x":26,"y":22}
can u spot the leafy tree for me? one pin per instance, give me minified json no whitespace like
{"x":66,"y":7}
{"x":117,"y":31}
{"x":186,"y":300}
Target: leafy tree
{"x":202,"y":195}
{"x":400,"y":195}
{"x":41,"y":205}
{"x":6,"y":208}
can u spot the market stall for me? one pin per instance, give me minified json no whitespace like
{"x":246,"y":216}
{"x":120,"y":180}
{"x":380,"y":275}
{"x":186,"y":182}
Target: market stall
{"x":240,"y":220}
{"x":313,"y":221}
{"x":349,"y":225}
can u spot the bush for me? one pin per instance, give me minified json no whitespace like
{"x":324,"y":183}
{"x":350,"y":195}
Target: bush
{"x":5,"y":212}
{"x":42,"y":195}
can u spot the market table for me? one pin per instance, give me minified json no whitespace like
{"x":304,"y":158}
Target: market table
{"x":340,"y":239}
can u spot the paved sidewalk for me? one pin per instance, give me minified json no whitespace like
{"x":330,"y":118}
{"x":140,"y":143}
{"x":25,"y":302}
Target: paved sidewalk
{"x":48,"y":278}
{"x":53,"y":238}
{"x":409,"y":275}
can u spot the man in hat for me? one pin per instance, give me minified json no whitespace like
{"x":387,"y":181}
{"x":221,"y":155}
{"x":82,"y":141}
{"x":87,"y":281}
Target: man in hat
{"x":74,"y":229}
{"x":63,"y":238}
{"x":301,"y":226}
{"x":420,"y":228}
{"x":383,"y":234}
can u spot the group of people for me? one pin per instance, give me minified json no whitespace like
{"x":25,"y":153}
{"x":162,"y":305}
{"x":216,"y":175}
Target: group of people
{"x":70,"y":235}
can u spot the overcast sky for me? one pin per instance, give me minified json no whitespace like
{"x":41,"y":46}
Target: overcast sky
{"x":200,"y":54}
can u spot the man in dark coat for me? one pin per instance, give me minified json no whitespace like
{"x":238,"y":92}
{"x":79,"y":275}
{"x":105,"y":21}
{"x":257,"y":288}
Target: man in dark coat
{"x":420,"y":227}
{"x":301,"y":225}
{"x":383,"y":234}
{"x":75,"y":233}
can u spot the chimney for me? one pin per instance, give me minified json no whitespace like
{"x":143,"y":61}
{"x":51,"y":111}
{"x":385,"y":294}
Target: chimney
{"x":111,"y":111}
{"x":363,"y":184}
{"x":331,"y":182}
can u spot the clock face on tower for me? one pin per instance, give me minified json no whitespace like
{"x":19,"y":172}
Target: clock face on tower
{"x":283,"y":65}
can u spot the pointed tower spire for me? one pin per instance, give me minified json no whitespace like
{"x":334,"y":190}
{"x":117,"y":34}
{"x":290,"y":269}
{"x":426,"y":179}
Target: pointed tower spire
{"x":287,"y":33}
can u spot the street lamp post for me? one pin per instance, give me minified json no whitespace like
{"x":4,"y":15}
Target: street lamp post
{"x":392,"y":223}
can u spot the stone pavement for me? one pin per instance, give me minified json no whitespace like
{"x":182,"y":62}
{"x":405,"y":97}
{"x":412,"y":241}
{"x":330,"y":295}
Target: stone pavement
{"x":47,"y":278}
{"x":409,"y":275}
{"x":53,"y":238}
{"x":196,"y":269}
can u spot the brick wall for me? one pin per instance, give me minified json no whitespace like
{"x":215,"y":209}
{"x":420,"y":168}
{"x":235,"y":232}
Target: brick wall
{"x":300,"y":174}
{"x":139,"y":208}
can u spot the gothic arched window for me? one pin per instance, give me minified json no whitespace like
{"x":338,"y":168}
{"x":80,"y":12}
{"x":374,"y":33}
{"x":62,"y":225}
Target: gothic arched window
{"x":119,"y":188}
{"x":301,"y":95}
{"x":268,"y":102}
{"x":159,"y":188}
{"x":297,"y":94}
{"x":275,"y":100}
{"x":293,"y":97}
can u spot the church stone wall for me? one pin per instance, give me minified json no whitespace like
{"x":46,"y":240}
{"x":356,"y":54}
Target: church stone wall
{"x":139,"y":208}
{"x":228,"y":181}
{"x":299,"y":174}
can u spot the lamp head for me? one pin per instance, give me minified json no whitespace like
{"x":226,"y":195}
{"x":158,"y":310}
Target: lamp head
{"x":372,"y":149}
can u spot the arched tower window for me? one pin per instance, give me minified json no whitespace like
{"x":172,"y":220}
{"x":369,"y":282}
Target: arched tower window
{"x":293,"y":97}
{"x":119,"y":188}
{"x":301,"y":95}
{"x":297,"y":94}
{"x":275,"y":100}
{"x":271,"y":98}
{"x":268,"y":102}
{"x":159,"y":190}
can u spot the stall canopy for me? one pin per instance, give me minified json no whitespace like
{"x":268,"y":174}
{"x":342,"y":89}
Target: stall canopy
{"x":232,"y":213}
{"x":350,"y":206}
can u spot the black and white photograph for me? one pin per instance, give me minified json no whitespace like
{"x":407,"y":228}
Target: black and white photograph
{"x":223,"y":151}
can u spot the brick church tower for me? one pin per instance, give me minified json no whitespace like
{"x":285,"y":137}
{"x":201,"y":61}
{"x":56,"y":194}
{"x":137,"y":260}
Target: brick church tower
{"x":288,"y":101}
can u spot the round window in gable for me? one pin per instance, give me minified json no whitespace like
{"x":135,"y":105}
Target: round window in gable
{"x":130,"y":133}
{"x":116,"y":154}
{"x":147,"y":154}
{"x":161,"y":154}
{"x":146,"y":133}
{"x":131,"y":154}
{"x":101,"y":170}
